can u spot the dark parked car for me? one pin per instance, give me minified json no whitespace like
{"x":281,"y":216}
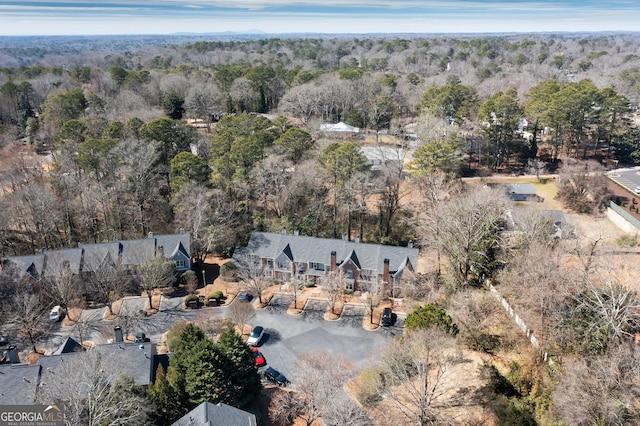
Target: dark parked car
{"x":387,"y":317}
{"x":275,"y":376}
{"x":245,"y":296}
{"x":142,"y":338}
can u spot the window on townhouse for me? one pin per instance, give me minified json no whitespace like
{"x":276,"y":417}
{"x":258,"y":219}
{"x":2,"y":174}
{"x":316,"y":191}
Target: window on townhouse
{"x":316,"y":266}
{"x":282,"y":265}
{"x":348,"y":286}
{"x":348,"y":274}
{"x":181,"y":264}
{"x":269,"y":263}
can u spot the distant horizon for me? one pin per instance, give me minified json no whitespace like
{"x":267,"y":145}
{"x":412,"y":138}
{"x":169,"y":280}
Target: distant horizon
{"x":257,"y":34}
{"x":273,"y":17}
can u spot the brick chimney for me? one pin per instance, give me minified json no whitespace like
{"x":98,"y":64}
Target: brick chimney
{"x":385,"y":277}
{"x":12,"y":351}
{"x":333,"y":261}
{"x":385,"y":271}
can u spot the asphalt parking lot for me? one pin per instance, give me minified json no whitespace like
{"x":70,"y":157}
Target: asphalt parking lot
{"x":629,"y":178}
{"x":288,"y":337}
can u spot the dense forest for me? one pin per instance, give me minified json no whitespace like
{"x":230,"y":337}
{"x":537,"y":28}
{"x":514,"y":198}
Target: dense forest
{"x":111,"y":112}
{"x":115,"y":137}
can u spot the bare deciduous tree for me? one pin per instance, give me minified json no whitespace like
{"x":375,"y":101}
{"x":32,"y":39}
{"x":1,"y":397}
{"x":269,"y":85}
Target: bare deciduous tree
{"x":321,"y":377}
{"x":600,"y":390}
{"x":240,"y":313}
{"x":582,"y":185}
{"x":93,"y":392}
{"x":469,"y":228}
{"x":107,"y":280}
{"x":29,"y":316}
{"x":342,"y":410}
{"x":372,"y":295}
{"x":155,"y":272}
{"x":251,"y":271}
{"x":333,"y":288}
{"x":537,"y":167}
{"x":61,"y":287}
{"x":416,"y":374}
{"x":285,"y":407}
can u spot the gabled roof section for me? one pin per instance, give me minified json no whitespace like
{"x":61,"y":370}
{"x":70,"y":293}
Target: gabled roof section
{"x":27,"y":265}
{"x":353,"y":257}
{"x":287,"y":252}
{"x":96,"y":255}
{"x":208,"y":414}
{"x":172,"y":243}
{"x":69,"y":345}
{"x":131,"y":359}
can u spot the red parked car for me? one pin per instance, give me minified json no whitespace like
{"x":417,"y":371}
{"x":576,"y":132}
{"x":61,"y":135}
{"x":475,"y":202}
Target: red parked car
{"x":257,"y":355}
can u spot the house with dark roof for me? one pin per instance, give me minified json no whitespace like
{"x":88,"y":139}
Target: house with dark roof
{"x":208,"y":414}
{"x":288,"y":257}
{"x":19,"y":382}
{"x":522,"y":192}
{"x":136,"y":360}
{"x":87,"y":257}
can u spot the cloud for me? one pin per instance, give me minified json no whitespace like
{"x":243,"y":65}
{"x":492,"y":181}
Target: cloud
{"x":163,"y":16}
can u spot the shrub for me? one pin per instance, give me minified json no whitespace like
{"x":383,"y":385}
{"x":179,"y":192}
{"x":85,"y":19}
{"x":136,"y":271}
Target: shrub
{"x":190,"y":298}
{"x":348,"y":291}
{"x":628,"y":241}
{"x":309,"y":284}
{"x":431,"y":316}
{"x":370,"y":385}
{"x":357,"y":293}
{"x":228,"y":271}
{"x":216,"y":295}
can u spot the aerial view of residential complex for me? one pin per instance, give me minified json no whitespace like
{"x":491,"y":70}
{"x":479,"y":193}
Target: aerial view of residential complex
{"x":251,"y":228}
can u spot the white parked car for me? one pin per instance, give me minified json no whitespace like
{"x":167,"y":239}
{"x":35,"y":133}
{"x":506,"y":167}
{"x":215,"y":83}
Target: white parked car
{"x":255,"y":336}
{"x":56,"y":314}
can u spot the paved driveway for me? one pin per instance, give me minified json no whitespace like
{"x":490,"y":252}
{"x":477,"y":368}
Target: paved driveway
{"x":352,"y":315}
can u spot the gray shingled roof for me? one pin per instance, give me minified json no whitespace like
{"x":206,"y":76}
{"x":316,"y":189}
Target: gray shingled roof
{"x":208,"y":414}
{"x":18,"y":384}
{"x":521,"y":189}
{"x":96,"y":254}
{"x":33,"y":264}
{"x":135,"y":252}
{"x":318,"y":250}
{"x":171,"y":243}
{"x":556,"y":216}
{"x":87,"y":256}
{"x":132,"y":360}
{"x":56,"y":260}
